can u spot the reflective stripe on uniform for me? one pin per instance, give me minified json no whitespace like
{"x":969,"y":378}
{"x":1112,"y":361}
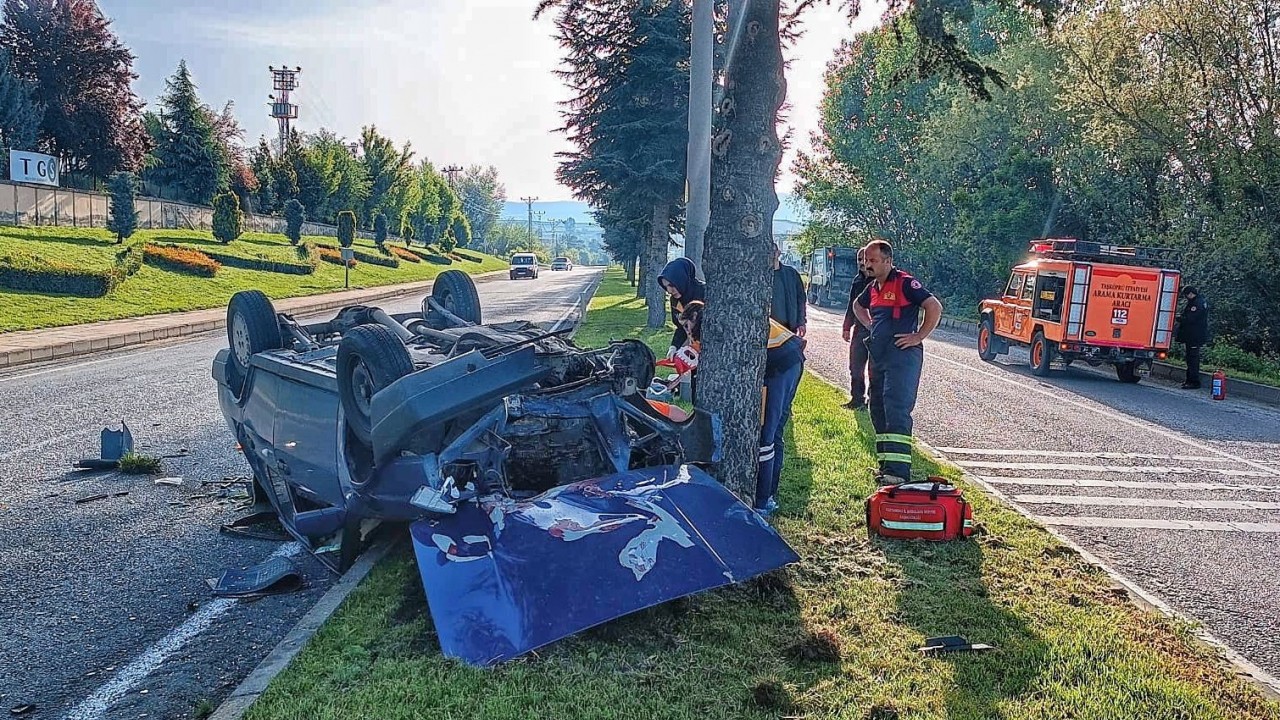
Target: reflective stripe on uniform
{"x":894,"y":457}
{"x":893,"y":437}
{"x":895,"y":525}
{"x":968,"y":523}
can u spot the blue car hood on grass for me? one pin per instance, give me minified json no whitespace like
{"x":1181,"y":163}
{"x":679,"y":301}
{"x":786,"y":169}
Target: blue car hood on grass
{"x":504,"y":577}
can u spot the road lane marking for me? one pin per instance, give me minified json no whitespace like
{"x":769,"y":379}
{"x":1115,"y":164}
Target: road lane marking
{"x":1139,"y":524}
{"x":1101,"y":455}
{"x":1130,"y":469}
{"x":1104,"y":501}
{"x":96,"y":705}
{"x":1124,"y":484}
{"x":1149,"y":427}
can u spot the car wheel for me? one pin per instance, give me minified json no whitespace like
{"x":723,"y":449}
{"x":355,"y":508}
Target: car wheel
{"x":986,"y":333}
{"x":1041,"y":355}
{"x":252,"y":328}
{"x":456,"y":292}
{"x":370,"y":357}
{"x":1127,"y":372}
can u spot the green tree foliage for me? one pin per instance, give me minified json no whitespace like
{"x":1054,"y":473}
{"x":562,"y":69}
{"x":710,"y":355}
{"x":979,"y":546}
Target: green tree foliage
{"x":390,"y":173}
{"x":20,"y":116}
{"x":483,"y":197}
{"x":294,"y":216}
{"x":264,"y":171}
{"x":461,"y":230}
{"x":77,"y":70}
{"x":123,"y":218}
{"x":424,"y":215}
{"x":227,"y":217}
{"x":380,"y":229}
{"x":189,"y":153}
{"x":346,"y":228}
{"x":506,"y":238}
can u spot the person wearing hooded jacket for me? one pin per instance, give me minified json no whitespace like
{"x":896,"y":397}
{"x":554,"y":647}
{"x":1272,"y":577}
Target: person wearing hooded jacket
{"x":1193,"y":333}
{"x":680,"y":281}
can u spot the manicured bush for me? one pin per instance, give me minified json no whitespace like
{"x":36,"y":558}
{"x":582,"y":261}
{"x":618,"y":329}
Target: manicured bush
{"x":21,"y":271}
{"x":332,"y":255}
{"x":294,"y":215}
{"x":181,"y":259}
{"x":403,"y":254}
{"x":228,"y":220}
{"x":346,"y":228}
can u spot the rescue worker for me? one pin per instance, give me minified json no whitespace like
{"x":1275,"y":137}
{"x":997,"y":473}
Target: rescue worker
{"x":855,"y":334}
{"x":1193,"y":333}
{"x":890,"y":307}
{"x":789,"y":305}
{"x":784,"y":361}
{"x":679,"y":280}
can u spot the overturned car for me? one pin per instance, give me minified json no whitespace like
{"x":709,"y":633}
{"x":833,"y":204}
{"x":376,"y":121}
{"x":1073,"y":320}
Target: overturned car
{"x":544,"y":493}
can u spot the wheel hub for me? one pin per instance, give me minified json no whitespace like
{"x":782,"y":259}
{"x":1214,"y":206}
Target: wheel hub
{"x":240,"y":339}
{"x":362,"y":388}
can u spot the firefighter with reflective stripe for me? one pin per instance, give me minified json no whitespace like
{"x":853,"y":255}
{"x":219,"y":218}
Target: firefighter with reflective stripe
{"x":890,"y":308}
{"x":784,"y":363}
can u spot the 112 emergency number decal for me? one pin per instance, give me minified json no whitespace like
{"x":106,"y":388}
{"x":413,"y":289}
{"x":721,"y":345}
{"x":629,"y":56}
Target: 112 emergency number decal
{"x":1119,"y":316}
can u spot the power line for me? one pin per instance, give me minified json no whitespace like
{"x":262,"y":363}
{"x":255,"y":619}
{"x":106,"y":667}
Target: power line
{"x":529,"y":201}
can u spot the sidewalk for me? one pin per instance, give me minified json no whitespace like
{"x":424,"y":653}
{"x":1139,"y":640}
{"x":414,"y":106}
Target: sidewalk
{"x":1165,"y":372}
{"x":32,"y":346}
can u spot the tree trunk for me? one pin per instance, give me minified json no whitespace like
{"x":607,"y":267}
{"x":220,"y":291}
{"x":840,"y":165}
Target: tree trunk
{"x":630,"y":266}
{"x":745,"y":158}
{"x":655,"y":258}
{"x":641,"y":273}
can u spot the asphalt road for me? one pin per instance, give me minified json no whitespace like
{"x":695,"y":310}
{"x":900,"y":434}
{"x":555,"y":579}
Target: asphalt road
{"x":1179,"y":493}
{"x":104,"y":610}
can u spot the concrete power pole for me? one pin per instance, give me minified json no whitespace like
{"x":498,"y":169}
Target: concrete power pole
{"x":529,"y":201}
{"x":698,"y":211}
{"x":283,"y":81}
{"x":452,"y":172}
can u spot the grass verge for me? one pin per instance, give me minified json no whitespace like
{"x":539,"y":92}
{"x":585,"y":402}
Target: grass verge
{"x":834,"y":636}
{"x":159,"y":290}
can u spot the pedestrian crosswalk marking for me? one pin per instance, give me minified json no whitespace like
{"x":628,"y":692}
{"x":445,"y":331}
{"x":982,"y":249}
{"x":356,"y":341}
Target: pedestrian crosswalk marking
{"x":1131,"y":469}
{"x":1125,"y":484}
{"x":1104,"y":501}
{"x":1145,"y":524}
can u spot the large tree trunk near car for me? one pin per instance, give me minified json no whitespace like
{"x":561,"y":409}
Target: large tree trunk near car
{"x":630,"y":266}
{"x":745,"y":158}
{"x":655,"y":258}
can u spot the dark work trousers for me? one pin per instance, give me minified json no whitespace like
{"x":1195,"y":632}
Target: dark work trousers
{"x":895,"y":380}
{"x":859,"y":357}
{"x":1193,"y":365}
{"x":780,"y":391}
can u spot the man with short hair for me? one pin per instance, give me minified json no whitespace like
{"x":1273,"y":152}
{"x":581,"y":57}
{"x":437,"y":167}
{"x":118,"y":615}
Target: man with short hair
{"x":789,"y":301}
{"x":890,"y":306}
{"x":855,"y":333}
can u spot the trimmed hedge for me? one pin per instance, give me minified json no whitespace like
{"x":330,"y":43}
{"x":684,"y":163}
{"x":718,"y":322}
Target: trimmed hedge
{"x":264,"y":263}
{"x":403,"y":254}
{"x":181,"y":259}
{"x":431,"y":257}
{"x":362,"y":256}
{"x":332,"y":255}
{"x":19,"y":271}
{"x":468,"y":258}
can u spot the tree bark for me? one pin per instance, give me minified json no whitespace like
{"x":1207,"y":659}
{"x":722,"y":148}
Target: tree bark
{"x":655,"y":258}
{"x":642,"y":273}
{"x":630,"y":266}
{"x":745,"y":158}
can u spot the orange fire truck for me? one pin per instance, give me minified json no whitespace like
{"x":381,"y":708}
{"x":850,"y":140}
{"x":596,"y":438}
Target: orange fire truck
{"x":1080,"y":300}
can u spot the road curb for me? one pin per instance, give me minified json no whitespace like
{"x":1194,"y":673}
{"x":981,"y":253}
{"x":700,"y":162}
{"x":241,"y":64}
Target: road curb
{"x":1256,"y":392}
{"x":247,"y":692}
{"x":176,"y":326}
{"x":1266,"y":683}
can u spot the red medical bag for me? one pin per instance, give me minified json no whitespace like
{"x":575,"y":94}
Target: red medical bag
{"x":930,"y":510}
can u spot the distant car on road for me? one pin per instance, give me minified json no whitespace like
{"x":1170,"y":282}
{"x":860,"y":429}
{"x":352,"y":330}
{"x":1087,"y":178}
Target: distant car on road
{"x":561,"y":263}
{"x":524,"y":265}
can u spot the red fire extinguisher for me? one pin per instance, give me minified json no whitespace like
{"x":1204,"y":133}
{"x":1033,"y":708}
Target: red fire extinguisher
{"x":1219,"y":385}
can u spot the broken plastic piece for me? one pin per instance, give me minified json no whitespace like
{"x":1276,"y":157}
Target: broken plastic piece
{"x":952,"y":643}
{"x":22,"y":709}
{"x":245,"y":527}
{"x":116,"y":443}
{"x":169,"y":481}
{"x":102,"y":496}
{"x":274,"y":576}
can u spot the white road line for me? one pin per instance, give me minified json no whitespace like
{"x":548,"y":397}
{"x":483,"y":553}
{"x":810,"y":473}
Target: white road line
{"x":1124,"y":484}
{"x":1129,"y":469}
{"x":46,"y":443}
{"x":1101,"y":455}
{"x":129,"y":354}
{"x":95,"y":706}
{"x":1104,"y":501}
{"x":1135,"y":523}
{"x":1149,"y":427}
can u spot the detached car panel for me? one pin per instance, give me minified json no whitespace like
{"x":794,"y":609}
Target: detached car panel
{"x":545,"y":493}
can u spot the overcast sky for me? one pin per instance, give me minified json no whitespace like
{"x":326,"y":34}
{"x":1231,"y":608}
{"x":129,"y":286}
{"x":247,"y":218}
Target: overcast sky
{"x":466,"y":81}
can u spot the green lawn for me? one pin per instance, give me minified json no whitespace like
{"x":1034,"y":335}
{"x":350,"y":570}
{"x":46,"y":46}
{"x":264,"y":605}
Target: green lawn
{"x":152,"y":290}
{"x":834,"y":636}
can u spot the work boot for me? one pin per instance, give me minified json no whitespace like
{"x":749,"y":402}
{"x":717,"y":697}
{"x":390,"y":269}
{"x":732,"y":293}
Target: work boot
{"x":854,"y":404}
{"x":1190,"y":386}
{"x":884,"y":480}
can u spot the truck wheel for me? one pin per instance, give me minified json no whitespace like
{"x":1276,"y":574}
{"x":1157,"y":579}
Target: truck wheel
{"x":1041,"y":355}
{"x":252,"y":327}
{"x":986,"y":334}
{"x":1128,"y":372}
{"x":370,"y":357}
{"x":824,"y":295}
{"x":455,"y":290}
{"x":813,"y":298}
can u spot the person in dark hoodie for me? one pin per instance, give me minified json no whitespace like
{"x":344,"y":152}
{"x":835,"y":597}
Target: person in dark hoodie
{"x":679,"y":279}
{"x":855,"y":334}
{"x":1193,"y":333}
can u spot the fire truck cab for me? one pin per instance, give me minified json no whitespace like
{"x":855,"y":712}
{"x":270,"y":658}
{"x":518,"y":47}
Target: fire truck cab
{"x":1080,"y":300}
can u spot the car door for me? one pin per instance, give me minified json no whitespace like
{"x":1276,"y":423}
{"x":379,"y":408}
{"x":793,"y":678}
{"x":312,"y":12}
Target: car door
{"x":1006,"y":310}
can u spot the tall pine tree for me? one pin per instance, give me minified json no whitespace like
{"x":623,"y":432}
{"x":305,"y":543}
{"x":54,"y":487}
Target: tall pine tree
{"x":19,"y":115}
{"x":189,"y":154}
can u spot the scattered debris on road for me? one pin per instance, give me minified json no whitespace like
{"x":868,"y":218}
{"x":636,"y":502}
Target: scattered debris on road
{"x":275,"y":576}
{"x":169,"y":481}
{"x":113,"y":445}
{"x":22,"y":709}
{"x":952,"y":643}
{"x":102,"y":496}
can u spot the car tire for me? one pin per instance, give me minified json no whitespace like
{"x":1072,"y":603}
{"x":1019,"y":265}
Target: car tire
{"x":456,"y":291}
{"x":252,"y":327}
{"x":986,"y":339}
{"x":370,"y":357}
{"x":1127,"y":372}
{"x":1041,"y":355}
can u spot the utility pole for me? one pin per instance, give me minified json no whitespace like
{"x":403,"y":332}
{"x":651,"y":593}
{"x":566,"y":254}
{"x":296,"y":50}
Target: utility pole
{"x":698,"y":208}
{"x":283,"y":81}
{"x":529,"y":201}
{"x":540,"y":213}
{"x":451,"y":171}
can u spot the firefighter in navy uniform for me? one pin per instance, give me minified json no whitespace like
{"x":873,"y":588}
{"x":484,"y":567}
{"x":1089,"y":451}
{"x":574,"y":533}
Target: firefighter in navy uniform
{"x":890,"y":308}
{"x":854,"y":333}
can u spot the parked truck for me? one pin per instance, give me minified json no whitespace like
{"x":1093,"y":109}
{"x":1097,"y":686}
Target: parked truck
{"x":1088,"y":301}
{"x":831,"y":274}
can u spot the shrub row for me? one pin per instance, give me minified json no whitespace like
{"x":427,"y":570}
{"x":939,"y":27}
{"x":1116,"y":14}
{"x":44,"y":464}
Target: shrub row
{"x":266,"y":264}
{"x":430,"y":257}
{"x":332,"y":255}
{"x":404,"y":254}
{"x":362,"y":256}
{"x":181,"y":259}
{"x":468,"y":258}
{"x":19,"y":271}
